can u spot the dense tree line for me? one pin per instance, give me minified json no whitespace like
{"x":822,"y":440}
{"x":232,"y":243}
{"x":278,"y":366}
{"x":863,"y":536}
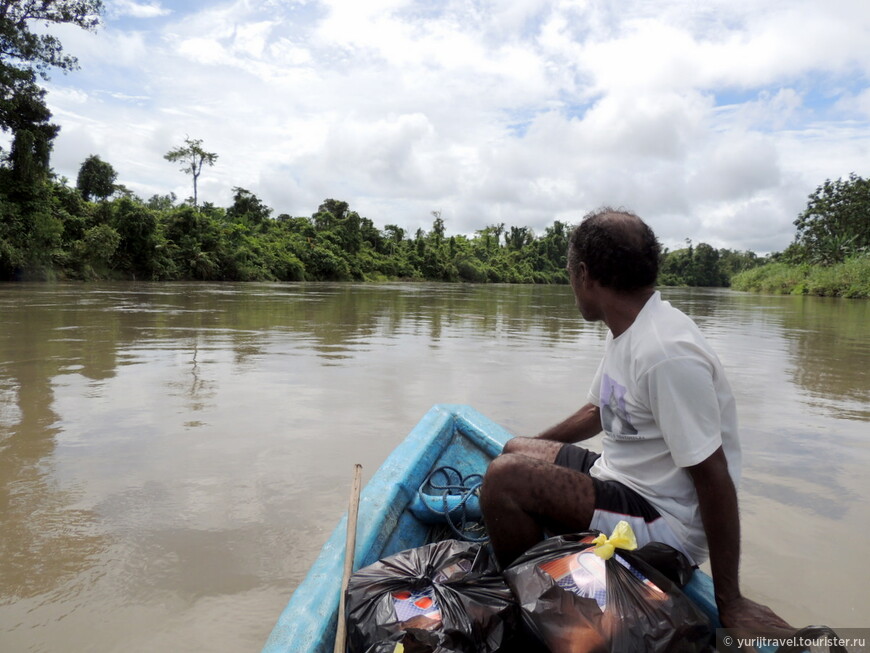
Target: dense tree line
{"x":61,"y":232}
{"x":57,"y":232}
{"x":704,"y":265}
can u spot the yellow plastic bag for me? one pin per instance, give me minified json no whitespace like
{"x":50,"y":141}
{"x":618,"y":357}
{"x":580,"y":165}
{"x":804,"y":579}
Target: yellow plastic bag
{"x":622,"y":537}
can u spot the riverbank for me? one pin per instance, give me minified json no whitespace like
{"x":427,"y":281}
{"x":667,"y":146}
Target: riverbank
{"x":850,"y":279}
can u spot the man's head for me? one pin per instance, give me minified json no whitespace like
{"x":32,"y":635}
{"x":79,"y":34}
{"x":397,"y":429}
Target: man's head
{"x":615,"y":248}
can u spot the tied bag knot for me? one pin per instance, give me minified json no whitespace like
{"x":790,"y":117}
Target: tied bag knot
{"x":622,"y":537}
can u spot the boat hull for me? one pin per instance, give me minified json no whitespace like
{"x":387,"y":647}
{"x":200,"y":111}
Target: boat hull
{"x":452,"y":435}
{"x":448,"y":435}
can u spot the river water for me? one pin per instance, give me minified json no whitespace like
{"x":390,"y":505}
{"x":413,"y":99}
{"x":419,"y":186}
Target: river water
{"x":172,"y":456}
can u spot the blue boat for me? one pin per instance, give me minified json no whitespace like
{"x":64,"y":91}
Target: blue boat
{"x":391,"y":519}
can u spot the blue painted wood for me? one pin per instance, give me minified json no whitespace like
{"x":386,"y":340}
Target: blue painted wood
{"x":453,"y":435}
{"x":700,"y":590}
{"x":431,"y":508}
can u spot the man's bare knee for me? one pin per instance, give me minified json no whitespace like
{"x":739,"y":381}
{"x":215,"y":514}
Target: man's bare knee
{"x":561,"y":499}
{"x":545,"y":450}
{"x":500,"y":480}
{"x":500,"y":470}
{"x":514,"y":445}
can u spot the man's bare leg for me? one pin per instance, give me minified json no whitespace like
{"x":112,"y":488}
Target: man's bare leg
{"x":522,"y":497}
{"x":545,"y":450}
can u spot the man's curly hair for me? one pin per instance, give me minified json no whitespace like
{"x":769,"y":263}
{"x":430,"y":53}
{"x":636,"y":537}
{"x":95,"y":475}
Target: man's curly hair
{"x":619,"y":249}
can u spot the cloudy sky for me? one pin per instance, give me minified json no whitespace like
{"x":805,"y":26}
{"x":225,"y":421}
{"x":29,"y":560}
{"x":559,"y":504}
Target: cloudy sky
{"x":713,"y":119}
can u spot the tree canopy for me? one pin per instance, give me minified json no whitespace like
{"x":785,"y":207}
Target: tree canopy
{"x":30,"y":231}
{"x":39,"y":52}
{"x":96,"y":178}
{"x":26,"y":54}
{"x":836,"y":223}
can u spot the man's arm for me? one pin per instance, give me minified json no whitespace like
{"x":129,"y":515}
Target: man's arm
{"x":717,"y":500}
{"x":582,"y":425}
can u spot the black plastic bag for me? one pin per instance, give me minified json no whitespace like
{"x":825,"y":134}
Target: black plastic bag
{"x":667,"y":560}
{"x":576,"y":602}
{"x":448,"y":596}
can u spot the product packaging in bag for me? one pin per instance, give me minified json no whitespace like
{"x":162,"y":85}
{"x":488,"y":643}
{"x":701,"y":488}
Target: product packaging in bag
{"x":586,"y":592}
{"x":443,"y":597}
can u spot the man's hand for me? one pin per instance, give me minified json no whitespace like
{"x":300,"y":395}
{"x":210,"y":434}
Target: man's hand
{"x":582,"y":425}
{"x":746,"y":614}
{"x":717,"y":500}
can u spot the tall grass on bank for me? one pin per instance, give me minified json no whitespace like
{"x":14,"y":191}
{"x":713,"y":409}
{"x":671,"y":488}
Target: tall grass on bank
{"x":848,"y":279}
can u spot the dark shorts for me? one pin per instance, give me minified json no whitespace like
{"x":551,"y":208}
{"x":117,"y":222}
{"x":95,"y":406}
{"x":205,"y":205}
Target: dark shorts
{"x":610,"y":496}
{"x":615,"y":502}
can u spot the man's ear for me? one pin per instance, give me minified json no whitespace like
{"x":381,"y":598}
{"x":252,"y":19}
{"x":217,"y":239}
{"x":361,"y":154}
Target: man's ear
{"x":583,"y":274}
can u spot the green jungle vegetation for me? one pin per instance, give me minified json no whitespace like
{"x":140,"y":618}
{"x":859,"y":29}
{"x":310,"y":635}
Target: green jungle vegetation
{"x":97,"y":229}
{"x":830,"y":255}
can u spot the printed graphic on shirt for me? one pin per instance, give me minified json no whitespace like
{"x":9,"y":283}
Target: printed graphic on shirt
{"x":614,"y":416}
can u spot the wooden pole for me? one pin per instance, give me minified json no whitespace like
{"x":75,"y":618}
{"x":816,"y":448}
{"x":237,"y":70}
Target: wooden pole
{"x":350,"y":548}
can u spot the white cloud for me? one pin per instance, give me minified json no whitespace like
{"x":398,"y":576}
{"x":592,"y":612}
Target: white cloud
{"x":855,"y":104}
{"x":250,"y":40}
{"x":129,"y":98}
{"x":140,"y":9}
{"x":70,"y":96}
{"x":735,"y":167}
{"x":205,"y":50}
{"x":714,"y":120}
{"x":758,"y":223}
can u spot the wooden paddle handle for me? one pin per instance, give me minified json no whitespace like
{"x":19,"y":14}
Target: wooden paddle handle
{"x":350,"y":548}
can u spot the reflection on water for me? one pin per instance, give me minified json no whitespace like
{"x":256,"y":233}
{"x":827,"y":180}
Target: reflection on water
{"x":174,"y":455}
{"x":824,"y":342}
{"x":38,"y":522}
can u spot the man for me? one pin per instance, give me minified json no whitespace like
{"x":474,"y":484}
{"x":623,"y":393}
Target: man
{"x":671,"y":456}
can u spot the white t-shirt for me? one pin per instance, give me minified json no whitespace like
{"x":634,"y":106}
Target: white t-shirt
{"x":665,"y":405}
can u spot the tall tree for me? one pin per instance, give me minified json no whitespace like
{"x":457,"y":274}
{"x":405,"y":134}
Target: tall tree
{"x":29,"y":232}
{"x":192,"y":158}
{"x":25,"y":114}
{"x":24,"y":56}
{"x":437,"y":234}
{"x":96,"y":178}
